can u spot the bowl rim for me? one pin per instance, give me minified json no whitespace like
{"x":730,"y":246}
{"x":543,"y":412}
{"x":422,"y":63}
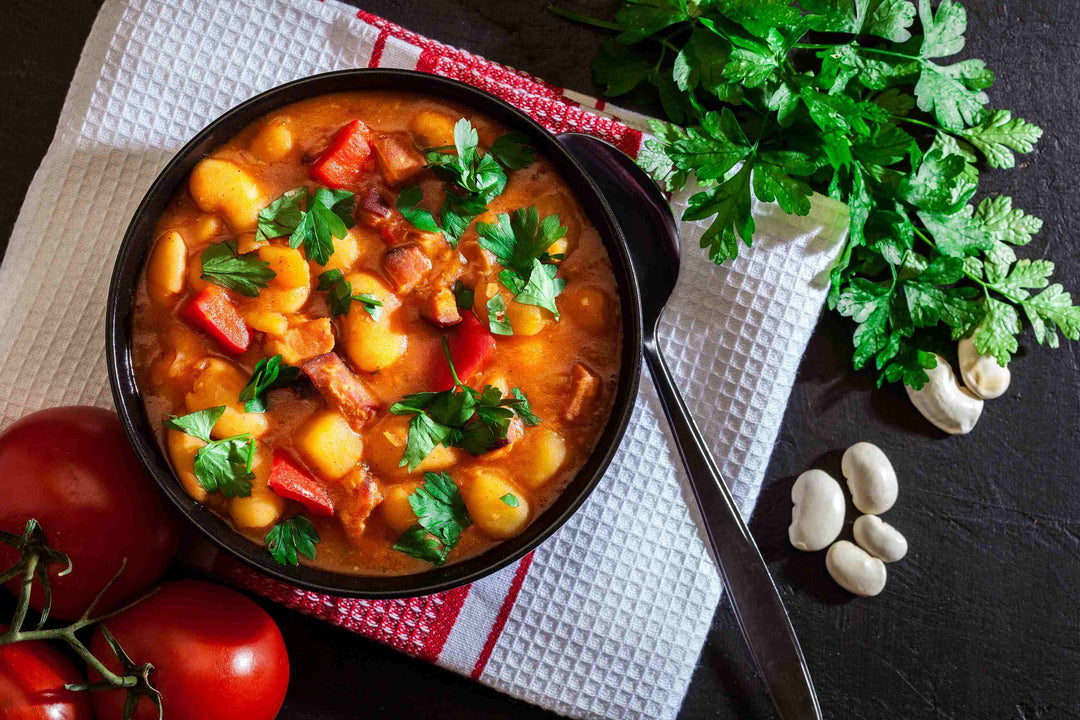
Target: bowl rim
{"x":138,"y":240}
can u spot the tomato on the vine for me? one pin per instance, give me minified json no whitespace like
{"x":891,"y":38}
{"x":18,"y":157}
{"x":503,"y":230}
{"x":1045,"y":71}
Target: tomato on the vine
{"x":32,"y":679}
{"x":216,"y":655}
{"x":72,"y":469}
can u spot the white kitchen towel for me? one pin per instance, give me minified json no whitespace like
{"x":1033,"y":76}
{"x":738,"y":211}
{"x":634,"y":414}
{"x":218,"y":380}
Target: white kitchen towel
{"x":605,"y":619}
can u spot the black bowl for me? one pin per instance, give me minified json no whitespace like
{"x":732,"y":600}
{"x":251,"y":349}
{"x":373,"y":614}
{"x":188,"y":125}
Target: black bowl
{"x":137,"y":242}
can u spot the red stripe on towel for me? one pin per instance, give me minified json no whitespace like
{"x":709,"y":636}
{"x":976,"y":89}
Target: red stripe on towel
{"x":453,"y":600}
{"x":504,"y":613}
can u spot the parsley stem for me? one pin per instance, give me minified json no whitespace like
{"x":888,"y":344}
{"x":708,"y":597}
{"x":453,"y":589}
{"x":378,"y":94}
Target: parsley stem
{"x":914,"y":121}
{"x":986,"y":287}
{"x":453,"y":370}
{"x":856,"y":48}
{"x":583,"y":19}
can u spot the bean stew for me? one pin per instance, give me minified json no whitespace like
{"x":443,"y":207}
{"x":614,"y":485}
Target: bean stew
{"x":376,"y":332}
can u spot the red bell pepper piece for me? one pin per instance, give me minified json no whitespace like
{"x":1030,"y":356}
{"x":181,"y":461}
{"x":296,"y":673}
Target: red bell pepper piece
{"x":471,"y":347}
{"x":292,"y":482}
{"x":214,"y":313}
{"x":347,"y":159}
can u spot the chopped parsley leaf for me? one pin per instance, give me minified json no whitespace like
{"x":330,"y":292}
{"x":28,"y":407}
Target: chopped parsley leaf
{"x":329,"y":215}
{"x":221,"y":465}
{"x":497,"y":319}
{"x":341,"y":296}
{"x":197,"y":424}
{"x":463,"y":295}
{"x":269,"y":373}
{"x":245,"y":273}
{"x":520,"y":243}
{"x":475,"y":420}
{"x":441,"y":518}
{"x":290,"y":539}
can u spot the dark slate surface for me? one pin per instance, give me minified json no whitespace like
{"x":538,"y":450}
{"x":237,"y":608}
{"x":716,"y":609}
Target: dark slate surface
{"x":981,"y":620}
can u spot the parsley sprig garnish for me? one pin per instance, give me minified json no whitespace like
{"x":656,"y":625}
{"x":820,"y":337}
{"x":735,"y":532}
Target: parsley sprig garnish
{"x":474,"y":420}
{"x":221,"y":465}
{"x":328,"y":215}
{"x":441,"y":518}
{"x":407,"y":205}
{"x":269,"y":373}
{"x":521,"y":243}
{"x":497,"y":319}
{"x":878,"y":119}
{"x":513,"y":150}
{"x":463,"y":295}
{"x":290,"y":539}
{"x":245,"y":273}
{"x":475,"y":179}
{"x":341,"y":296}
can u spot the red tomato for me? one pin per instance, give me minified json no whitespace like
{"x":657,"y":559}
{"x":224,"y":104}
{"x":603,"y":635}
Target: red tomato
{"x":72,"y":469}
{"x":216,"y":655}
{"x":32,"y":679}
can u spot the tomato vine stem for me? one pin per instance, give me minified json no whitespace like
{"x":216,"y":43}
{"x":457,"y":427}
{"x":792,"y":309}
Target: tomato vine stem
{"x":35,"y":558}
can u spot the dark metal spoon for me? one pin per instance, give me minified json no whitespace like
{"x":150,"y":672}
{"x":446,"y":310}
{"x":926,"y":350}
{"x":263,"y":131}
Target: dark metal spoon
{"x":653,"y":239}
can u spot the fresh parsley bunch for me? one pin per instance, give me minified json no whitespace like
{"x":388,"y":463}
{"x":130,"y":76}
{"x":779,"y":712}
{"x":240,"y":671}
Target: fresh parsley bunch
{"x":774,"y":104}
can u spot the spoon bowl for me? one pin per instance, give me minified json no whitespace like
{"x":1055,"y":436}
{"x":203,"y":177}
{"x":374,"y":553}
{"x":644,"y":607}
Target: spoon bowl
{"x":644,"y":215}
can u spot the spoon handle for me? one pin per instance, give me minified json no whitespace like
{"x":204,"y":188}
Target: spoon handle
{"x":764,"y":621}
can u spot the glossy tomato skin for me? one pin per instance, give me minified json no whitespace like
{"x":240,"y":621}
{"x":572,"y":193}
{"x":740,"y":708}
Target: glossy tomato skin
{"x":72,"y":469}
{"x":216,"y":655}
{"x":32,"y":679}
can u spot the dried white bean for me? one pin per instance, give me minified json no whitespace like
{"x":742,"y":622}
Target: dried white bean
{"x":943,"y":402}
{"x":870,"y":478}
{"x":854,"y":569}
{"x":879,"y":538}
{"x":982,"y":374}
{"x":817,"y":515}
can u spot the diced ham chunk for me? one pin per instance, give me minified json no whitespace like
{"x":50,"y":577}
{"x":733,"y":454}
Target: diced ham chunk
{"x":584,"y":387}
{"x":405,"y":265}
{"x":373,"y":203}
{"x":397,"y":158}
{"x":361,"y":496}
{"x":432,"y":243}
{"x":303,"y":341}
{"x":341,"y":388}
{"x":376,"y":213}
{"x":479,"y":259}
{"x":440,"y":308}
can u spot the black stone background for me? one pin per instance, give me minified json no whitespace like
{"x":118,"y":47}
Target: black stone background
{"x":981,"y":620}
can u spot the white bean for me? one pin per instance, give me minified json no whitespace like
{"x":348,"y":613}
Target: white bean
{"x":817,"y":515}
{"x":854,"y":569}
{"x":879,"y":538}
{"x":943,"y":402}
{"x":870,"y":478}
{"x":982,"y":374}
